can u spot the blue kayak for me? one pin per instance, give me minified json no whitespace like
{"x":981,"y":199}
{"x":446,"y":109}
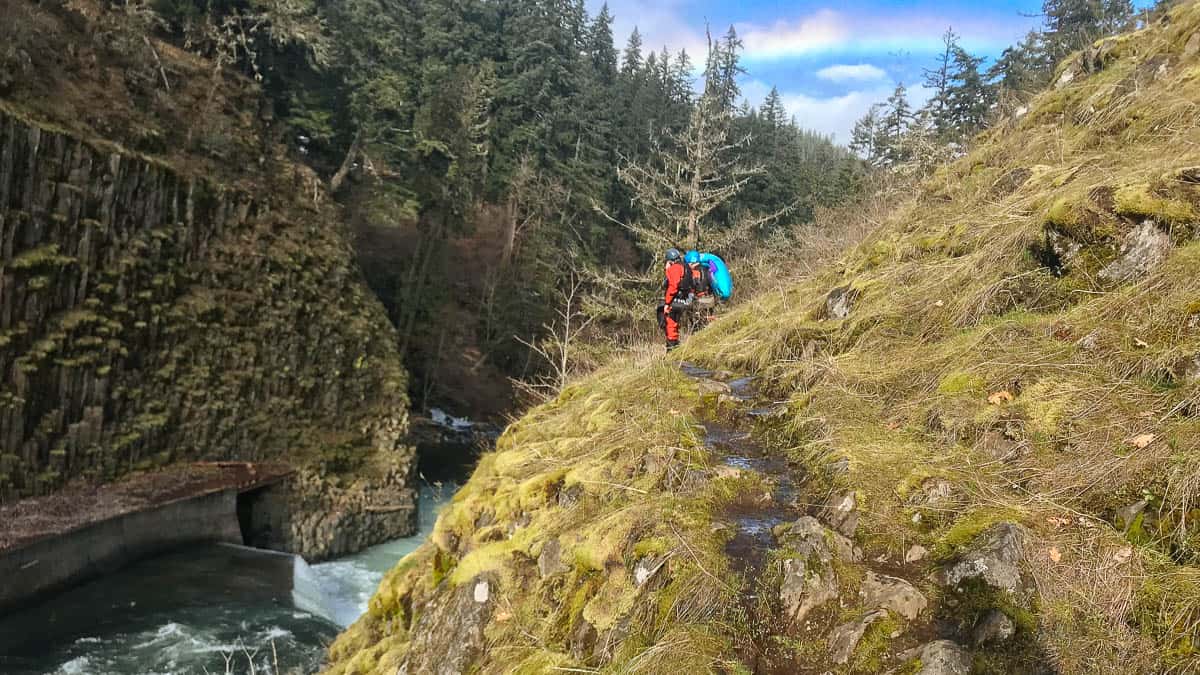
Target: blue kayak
{"x":722,"y":280}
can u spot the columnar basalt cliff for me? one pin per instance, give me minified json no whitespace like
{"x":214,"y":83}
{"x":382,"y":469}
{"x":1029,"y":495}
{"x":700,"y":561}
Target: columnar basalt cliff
{"x":174,"y":287}
{"x":147,"y":317}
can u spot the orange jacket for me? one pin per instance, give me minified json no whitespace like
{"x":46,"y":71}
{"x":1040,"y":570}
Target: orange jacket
{"x":674,"y":272}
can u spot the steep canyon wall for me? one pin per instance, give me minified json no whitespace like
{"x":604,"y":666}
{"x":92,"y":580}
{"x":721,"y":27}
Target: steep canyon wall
{"x":149,"y":317}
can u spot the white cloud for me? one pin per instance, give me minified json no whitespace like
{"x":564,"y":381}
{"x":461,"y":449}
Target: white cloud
{"x":782,"y":39}
{"x":834,"y":115}
{"x":862,"y":72}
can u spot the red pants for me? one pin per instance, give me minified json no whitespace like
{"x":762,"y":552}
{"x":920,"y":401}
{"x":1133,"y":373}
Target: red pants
{"x":672,"y":326}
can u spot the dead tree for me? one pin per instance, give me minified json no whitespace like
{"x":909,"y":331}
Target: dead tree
{"x":691,"y":173}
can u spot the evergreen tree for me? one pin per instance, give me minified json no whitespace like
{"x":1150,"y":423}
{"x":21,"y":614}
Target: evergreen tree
{"x":1071,"y":25}
{"x":723,"y":70}
{"x":1117,"y":16}
{"x":774,"y":123}
{"x":631,"y":59}
{"x":1021,"y":69}
{"x":865,"y":134}
{"x":601,"y":49}
{"x":938,"y":79}
{"x":889,"y":138}
{"x":680,"y":89}
{"x":969,"y":97}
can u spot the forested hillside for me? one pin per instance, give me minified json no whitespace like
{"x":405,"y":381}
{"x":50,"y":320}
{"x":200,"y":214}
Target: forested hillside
{"x":477,"y":146}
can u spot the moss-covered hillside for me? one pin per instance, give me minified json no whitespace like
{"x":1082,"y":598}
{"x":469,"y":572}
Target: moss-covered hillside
{"x":173,"y":287}
{"x":992,"y":458}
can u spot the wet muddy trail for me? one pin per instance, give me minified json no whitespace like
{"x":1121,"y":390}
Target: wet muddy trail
{"x":754,"y":515}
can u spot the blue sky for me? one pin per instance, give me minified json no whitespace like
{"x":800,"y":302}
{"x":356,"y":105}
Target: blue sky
{"x":831,"y":60}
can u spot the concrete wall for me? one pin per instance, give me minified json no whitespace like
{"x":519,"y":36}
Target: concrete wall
{"x":49,"y":565}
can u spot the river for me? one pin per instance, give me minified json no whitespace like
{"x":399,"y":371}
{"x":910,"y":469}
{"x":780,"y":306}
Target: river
{"x":208,"y":609}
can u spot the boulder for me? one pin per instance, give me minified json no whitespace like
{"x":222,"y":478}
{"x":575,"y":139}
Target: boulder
{"x":449,"y":636}
{"x":1191,"y":369}
{"x":1126,"y":515}
{"x":570,"y":496}
{"x":808,"y":536}
{"x":1192,"y":48}
{"x":996,"y":447}
{"x":841,"y":513}
{"x":941,"y":657}
{"x":995,"y":626}
{"x":646,"y":568}
{"x":845,"y":638}
{"x":808,"y":578}
{"x":1144,"y":249}
{"x":934,"y":492}
{"x":993,"y":558}
{"x":893,"y":594}
{"x":839,"y":302}
{"x":550,"y":561}
{"x":1090,"y":341}
{"x":804,"y":587}
{"x":916,"y":553}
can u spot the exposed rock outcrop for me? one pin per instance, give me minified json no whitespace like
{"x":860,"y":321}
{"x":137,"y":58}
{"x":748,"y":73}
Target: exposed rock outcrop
{"x":1143,"y":250}
{"x":844,"y":638}
{"x":808,"y":576}
{"x":840,"y":302}
{"x":449,"y":633}
{"x":841,"y":513}
{"x":995,"y":626}
{"x":941,"y":657}
{"x":994,"y":558}
{"x":893,"y":594}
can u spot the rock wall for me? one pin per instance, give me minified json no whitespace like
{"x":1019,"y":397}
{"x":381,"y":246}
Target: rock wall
{"x":49,"y":565}
{"x":148,"y":316}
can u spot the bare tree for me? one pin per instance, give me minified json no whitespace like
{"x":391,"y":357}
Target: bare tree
{"x":561,"y":334}
{"x":692,"y":173}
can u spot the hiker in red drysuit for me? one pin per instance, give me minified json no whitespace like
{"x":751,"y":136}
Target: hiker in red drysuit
{"x":678,"y":283}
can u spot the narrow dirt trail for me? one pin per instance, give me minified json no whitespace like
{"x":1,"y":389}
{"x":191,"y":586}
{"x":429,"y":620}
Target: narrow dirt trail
{"x":753,"y":517}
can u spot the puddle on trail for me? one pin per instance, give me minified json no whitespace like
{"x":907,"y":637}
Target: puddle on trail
{"x":692,"y":370}
{"x":754,"y":517}
{"x":743,"y":388}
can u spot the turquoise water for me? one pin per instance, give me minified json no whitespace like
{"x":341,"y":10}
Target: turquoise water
{"x":348,"y":583}
{"x":213,"y":609}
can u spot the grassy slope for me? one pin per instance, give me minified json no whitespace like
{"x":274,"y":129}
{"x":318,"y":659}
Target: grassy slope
{"x":954,"y":305}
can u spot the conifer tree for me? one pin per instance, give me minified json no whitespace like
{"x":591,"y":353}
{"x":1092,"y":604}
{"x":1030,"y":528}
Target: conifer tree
{"x":601,"y":49}
{"x":631,"y":58}
{"x":969,"y":97}
{"x":896,"y":115}
{"x":938,"y":79}
{"x":865,"y":135}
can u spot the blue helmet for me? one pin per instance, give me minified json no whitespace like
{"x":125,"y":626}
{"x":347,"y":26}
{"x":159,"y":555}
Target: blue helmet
{"x":692,"y":257}
{"x":673,"y":255}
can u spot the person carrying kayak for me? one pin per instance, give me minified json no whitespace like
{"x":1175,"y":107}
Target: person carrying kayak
{"x":677,"y":298}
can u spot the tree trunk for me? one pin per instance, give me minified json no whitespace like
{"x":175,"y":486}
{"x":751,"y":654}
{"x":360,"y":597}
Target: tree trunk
{"x":347,"y":164}
{"x":510,"y":234}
